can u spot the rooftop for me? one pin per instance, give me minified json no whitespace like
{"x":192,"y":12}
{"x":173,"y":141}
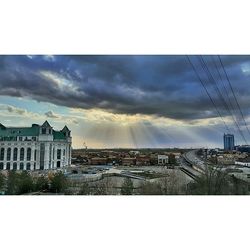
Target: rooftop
{"x":10,"y":133}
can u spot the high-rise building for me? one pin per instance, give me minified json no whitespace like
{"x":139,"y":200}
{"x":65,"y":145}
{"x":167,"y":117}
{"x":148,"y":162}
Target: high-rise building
{"x":228,"y":142}
{"x":35,"y":147}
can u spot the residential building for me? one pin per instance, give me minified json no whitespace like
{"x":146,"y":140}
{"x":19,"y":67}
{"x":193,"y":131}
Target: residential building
{"x":228,"y":142}
{"x":98,"y":161}
{"x":128,"y":161}
{"x":142,"y":160}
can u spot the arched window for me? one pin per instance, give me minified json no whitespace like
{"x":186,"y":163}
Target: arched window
{"x":1,"y":165}
{"x":2,"y":154}
{"x":14,"y":166}
{"x":28,"y":154}
{"x":21,"y":166}
{"x":28,"y":166}
{"x":22,"y":154}
{"x":15,"y":154}
{"x":8,"y":154}
{"x":8,"y":166}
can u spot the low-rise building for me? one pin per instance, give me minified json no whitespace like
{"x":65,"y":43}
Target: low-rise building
{"x":162,"y":159}
{"x":128,"y":161}
{"x":243,"y":162}
{"x":98,"y":161}
{"x":142,"y":160}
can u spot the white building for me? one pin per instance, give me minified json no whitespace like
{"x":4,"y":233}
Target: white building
{"x":243,"y":162}
{"x":162,"y":159}
{"x":35,"y":147}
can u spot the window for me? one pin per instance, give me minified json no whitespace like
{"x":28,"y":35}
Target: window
{"x":21,"y":166}
{"x":34,"y":166}
{"x":53,"y":153}
{"x":2,"y":154}
{"x":58,"y":153}
{"x":64,"y":152}
{"x":35,"y":155}
{"x":42,"y":153}
{"x":1,"y":165}
{"x":22,"y":154}
{"x":28,"y":154}
{"x":8,"y":166}
{"x":14,"y":166}
{"x":50,"y":152}
{"x":15,"y":154}
{"x":28,"y":166}
{"x":8,"y":154}
{"x":44,"y":131}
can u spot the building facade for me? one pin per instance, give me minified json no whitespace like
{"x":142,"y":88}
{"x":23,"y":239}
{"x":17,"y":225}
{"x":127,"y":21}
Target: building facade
{"x":34,"y":148}
{"x":162,"y":159}
{"x":228,"y":142}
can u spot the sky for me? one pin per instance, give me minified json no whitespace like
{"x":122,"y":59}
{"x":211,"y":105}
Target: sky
{"x":116,"y":101}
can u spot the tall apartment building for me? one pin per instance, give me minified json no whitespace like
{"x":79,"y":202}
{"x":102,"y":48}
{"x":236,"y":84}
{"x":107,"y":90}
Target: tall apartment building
{"x":33,"y":148}
{"x":228,"y":142}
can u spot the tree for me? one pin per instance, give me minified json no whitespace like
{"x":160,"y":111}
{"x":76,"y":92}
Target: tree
{"x":172,"y":159}
{"x":41,"y":183}
{"x":105,"y":186}
{"x":25,"y":183}
{"x":2,"y":181}
{"x":85,"y":189}
{"x":12,"y":183}
{"x":19,"y":183}
{"x":172,"y":183}
{"x":150,"y":188}
{"x":58,"y":183}
{"x":213,"y":182}
{"x":127,"y":187}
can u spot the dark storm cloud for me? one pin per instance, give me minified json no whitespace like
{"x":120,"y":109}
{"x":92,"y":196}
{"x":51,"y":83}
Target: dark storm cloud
{"x":160,"y":85}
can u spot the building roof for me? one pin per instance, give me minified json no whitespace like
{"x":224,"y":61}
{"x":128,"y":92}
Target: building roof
{"x":59,"y":135}
{"x":9,"y":133}
{"x":19,"y":131}
{"x":46,"y":124}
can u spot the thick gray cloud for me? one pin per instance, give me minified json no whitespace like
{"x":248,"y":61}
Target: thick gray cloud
{"x":159,"y":85}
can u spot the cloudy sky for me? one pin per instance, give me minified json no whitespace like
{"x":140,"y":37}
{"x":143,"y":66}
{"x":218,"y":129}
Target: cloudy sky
{"x":127,"y":101}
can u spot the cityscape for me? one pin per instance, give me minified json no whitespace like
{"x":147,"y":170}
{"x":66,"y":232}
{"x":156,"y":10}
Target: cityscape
{"x":124,"y":125}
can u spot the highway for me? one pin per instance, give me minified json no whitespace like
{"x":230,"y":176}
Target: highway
{"x":191,"y":165}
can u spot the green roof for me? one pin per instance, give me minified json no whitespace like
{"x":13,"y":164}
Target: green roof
{"x":11,"y":133}
{"x":58,"y":135}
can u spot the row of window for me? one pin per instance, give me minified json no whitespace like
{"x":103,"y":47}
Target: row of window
{"x":23,"y":166}
{"x":28,"y":155}
{"x":15,"y":153}
{"x":14,"y":167}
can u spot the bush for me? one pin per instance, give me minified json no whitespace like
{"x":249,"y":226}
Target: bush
{"x":19,"y":183}
{"x":58,"y":183}
{"x":127,"y":187}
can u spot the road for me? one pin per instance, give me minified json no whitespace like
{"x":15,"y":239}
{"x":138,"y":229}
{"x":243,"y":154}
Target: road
{"x":193,"y":158}
{"x":191,"y":163}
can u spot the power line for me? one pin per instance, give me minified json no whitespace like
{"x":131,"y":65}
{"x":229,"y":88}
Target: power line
{"x":204,"y":86}
{"x":211,"y":78}
{"x":237,"y":103}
